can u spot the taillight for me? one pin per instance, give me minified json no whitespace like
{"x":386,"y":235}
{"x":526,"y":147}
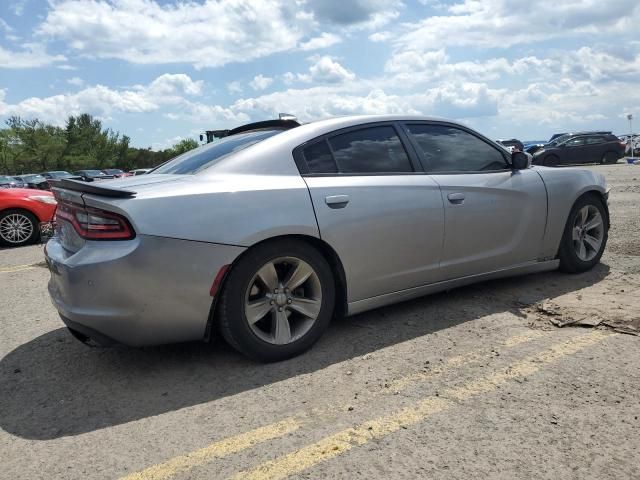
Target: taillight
{"x":94,"y":223}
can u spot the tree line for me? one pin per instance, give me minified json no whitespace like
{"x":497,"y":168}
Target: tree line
{"x":33,"y":146}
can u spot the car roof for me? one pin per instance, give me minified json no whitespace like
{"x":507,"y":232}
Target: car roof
{"x":273,"y":155}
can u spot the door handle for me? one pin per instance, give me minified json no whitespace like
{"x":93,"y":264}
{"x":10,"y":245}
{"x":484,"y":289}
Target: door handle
{"x":337,"y":201}
{"x":456,"y":198}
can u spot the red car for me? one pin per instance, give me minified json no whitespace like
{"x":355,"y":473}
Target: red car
{"x":22,"y":213}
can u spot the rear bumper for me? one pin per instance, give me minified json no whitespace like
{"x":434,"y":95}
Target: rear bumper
{"x":147,"y":291}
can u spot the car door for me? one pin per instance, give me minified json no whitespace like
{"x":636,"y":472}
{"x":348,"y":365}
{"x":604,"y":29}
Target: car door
{"x":375,"y":208}
{"x":575,"y":150}
{"x":494,"y":216}
{"x":596,"y":148}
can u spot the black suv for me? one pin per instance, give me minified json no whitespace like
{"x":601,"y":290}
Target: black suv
{"x":582,"y":147}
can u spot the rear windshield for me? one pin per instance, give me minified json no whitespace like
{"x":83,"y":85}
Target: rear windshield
{"x":205,"y":156}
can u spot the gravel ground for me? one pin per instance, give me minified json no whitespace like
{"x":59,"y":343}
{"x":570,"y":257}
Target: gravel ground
{"x":474,"y":382}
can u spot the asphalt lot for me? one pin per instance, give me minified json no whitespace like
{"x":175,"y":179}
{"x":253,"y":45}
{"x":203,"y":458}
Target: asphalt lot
{"x":472,"y":383}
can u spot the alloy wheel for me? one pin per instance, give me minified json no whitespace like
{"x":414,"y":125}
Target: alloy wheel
{"x":16,"y":228}
{"x":283,"y":300}
{"x":588,"y":233}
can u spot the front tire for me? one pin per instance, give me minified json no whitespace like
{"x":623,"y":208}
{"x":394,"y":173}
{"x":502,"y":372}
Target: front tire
{"x":277,"y":301}
{"x":18,"y":227}
{"x":585,"y":235}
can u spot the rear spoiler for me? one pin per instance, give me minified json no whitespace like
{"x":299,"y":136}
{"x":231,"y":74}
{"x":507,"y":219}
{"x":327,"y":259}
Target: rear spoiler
{"x":93,"y":189}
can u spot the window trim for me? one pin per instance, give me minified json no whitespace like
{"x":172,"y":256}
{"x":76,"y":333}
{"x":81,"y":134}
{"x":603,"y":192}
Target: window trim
{"x":303,"y":168}
{"x":425,"y":163}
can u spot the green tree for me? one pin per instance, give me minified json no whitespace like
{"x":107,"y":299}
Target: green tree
{"x":183,"y":146}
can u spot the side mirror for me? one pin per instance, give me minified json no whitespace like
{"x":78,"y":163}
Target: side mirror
{"x":520,"y":160}
{"x":201,"y":137}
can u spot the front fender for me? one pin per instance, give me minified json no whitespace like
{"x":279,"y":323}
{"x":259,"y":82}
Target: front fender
{"x":564,"y":186}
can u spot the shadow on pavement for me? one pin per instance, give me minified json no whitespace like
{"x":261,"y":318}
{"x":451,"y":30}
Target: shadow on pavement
{"x":54,"y":386}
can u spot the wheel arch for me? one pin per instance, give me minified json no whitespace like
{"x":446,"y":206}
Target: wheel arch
{"x":320,"y":245}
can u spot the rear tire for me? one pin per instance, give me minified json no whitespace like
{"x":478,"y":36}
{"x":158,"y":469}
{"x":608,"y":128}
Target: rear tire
{"x":551,"y":161}
{"x":609,"y":158}
{"x":18,"y":227}
{"x":268,"y":310}
{"x":585,"y":235}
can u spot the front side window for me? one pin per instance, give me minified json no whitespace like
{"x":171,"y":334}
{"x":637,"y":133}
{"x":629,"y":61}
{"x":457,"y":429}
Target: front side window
{"x":575,"y":142}
{"x":450,"y":149}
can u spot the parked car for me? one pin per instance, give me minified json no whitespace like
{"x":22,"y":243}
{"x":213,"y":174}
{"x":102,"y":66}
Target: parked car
{"x":114,"y":172}
{"x":7,"y":182}
{"x":92,"y":175}
{"x":22,"y":213}
{"x":33,"y":180}
{"x":57,"y":174}
{"x":266,"y":234}
{"x":576,"y":148}
{"x":512,"y":145}
{"x":139,"y":171}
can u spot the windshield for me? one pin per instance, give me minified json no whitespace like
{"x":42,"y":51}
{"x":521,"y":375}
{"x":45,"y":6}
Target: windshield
{"x":93,"y":173}
{"x":113,"y":171}
{"x":34,"y":178}
{"x":204,"y":157}
{"x":4,"y":179}
{"x":559,"y":140}
{"x":59,"y":174}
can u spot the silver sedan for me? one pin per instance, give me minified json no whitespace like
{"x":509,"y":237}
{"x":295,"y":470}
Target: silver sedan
{"x":268,"y":233}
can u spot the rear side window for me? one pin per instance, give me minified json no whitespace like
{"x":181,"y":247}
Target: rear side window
{"x":450,"y":149}
{"x":373,"y":150}
{"x":370,"y":150}
{"x":595,"y":140}
{"x":319,"y":158}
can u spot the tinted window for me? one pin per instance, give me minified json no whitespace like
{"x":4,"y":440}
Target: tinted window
{"x":319,"y":158}
{"x":370,"y":150}
{"x":595,"y":140}
{"x":449,"y":149}
{"x":575,"y":142}
{"x":203,"y":157}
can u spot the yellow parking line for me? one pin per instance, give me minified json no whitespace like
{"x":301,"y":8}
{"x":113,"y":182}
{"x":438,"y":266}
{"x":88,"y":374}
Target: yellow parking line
{"x":17,"y":268}
{"x":219,"y":449}
{"x":334,"y":445}
{"x":245,"y":440}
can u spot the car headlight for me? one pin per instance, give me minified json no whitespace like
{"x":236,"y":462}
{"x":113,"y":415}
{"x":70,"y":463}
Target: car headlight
{"x":538,"y":152}
{"x":43,"y":199}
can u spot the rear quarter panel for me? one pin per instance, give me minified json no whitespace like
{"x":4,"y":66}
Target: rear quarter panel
{"x":564,"y":186}
{"x":227,"y":209}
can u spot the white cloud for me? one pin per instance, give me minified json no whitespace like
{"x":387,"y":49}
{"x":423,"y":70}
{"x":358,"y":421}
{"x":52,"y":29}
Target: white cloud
{"x":5,"y":26}
{"x":324,"y":40}
{"x":76,"y":81}
{"x":102,"y":101}
{"x":33,"y":55}
{"x":499,"y":23}
{"x":356,"y":14}
{"x":234,"y":87}
{"x":213,"y":33}
{"x":17,"y":7}
{"x":260,"y":82}
{"x":382,"y":36}
{"x":327,"y":70}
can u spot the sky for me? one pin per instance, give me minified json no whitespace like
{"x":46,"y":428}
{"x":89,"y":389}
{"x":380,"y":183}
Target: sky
{"x":163,"y":70}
